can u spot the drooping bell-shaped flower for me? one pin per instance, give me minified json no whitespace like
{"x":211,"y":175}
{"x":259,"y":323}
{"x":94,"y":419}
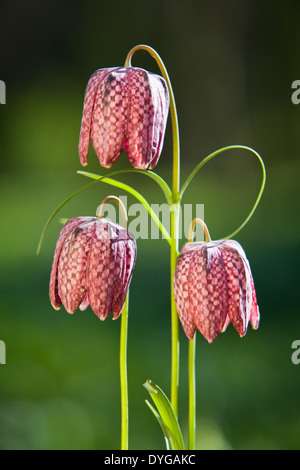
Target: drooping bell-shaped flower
{"x":124,"y":108}
{"x":213,"y":286}
{"x":93,"y":264}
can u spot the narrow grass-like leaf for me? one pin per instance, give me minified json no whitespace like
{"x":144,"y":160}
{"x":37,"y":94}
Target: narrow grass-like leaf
{"x":150,"y":174}
{"x":134,"y":193}
{"x":218,"y":152}
{"x":168,"y":420}
{"x":167,"y":434}
{"x":105,"y":179}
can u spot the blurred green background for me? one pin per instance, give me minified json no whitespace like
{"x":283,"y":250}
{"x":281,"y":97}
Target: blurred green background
{"x":231,"y":65}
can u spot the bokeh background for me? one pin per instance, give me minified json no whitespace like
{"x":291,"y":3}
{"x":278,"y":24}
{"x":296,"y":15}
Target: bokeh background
{"x":231,"y":65}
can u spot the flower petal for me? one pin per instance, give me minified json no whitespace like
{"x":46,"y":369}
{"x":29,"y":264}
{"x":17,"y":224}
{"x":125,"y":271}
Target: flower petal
{"x":208,"y":291}
{"x":139,"y":119}
{"x":71,"y":274}
{"x":146,"y":118}
{"x":249,"y":310}
{"x":254,"y":309}
{"x":69,"y":226}
{"x":100,"y":271}
{"x":109,"y":117}
{"x":160,"y":118}
{"x":87,"y":114}
{"x":181,"y":292}
{"x":226,"y":324}
{"x":238,"y":308}
{"x":126,"y":261}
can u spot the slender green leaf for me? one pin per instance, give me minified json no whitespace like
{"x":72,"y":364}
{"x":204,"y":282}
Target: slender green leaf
{"x":150,"y":174}
{"x":167,"y":434}
{"x":54,"y":213}
{"x":112,"y":182}
{"x":168,"y":420}
{"x":134,"y":193}
{"x":218,"y":152}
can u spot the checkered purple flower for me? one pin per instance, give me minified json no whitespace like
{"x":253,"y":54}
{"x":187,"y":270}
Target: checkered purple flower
{"x":213,"y":286}
{"x":93,"y":264}
{"x":125,"y":108}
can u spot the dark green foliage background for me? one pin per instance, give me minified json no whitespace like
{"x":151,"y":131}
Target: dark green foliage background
{"x":231,"y":65}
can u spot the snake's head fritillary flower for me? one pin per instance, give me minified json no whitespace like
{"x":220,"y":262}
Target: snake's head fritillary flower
{"x":93,"y":264}
{"x":125,"y":108}
{"x":213,"y":286}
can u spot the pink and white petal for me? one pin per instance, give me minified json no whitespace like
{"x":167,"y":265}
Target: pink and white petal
{"x":254,"y":309}
{"x":140,"y":118}
{"x":160,"y":116}
{"x":71,"y":273}
{"x":208,"y":290}
{"x":69,"y":226}
{"x":251,"y":300}
{"x":100,"y":271}
{"x":85,"y":303}
{"x":182,"y":294}
{"x":126,"y":265}
{"x":118,"y":249}
{"x":87,"y":113}
{"x":238,"y":307}
{"x":109,"y":117}
{"x":226,"y":324}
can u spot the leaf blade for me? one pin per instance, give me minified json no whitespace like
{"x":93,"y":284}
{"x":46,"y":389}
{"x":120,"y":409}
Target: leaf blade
{"x":168,"y":418}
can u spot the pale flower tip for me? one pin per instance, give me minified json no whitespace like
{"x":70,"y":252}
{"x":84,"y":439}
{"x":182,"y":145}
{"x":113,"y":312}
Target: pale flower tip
{"x":243,"y":333}
{"x":84,"y":304}
{"x":255,"y":319}
{"x":56,"y":307}
{"x":83,"y":159}
{"x":255,"y":325}
{"x":69,"y":312}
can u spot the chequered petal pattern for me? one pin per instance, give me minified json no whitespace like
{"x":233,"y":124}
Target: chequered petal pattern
{"x":161,"y":96}
{"x":208,"y":292}
{"x":100,"y":272}
{"x":93,"y":265}
{"x":68,"y":228}
{"x":124,"y":108}
{"x":181,"y":292}
{"x":213,"y":286}
{"x":109,"y":117}
{"x":88,"y":109}
{"x":71,"y":270}
{"x":252,"y":310}
{"x":238,"y":307}
{"x":127,"y":257}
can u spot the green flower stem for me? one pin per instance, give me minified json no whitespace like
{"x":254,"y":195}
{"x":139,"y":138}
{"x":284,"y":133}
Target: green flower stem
{"x":123,"y":375}
{"x":192,"y":355}
{"x":123,"y":336}
{"x":218,"y":152}
{"x":174,"y":217}
{"x":192,"y":394}
{"x":174,"y":315}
